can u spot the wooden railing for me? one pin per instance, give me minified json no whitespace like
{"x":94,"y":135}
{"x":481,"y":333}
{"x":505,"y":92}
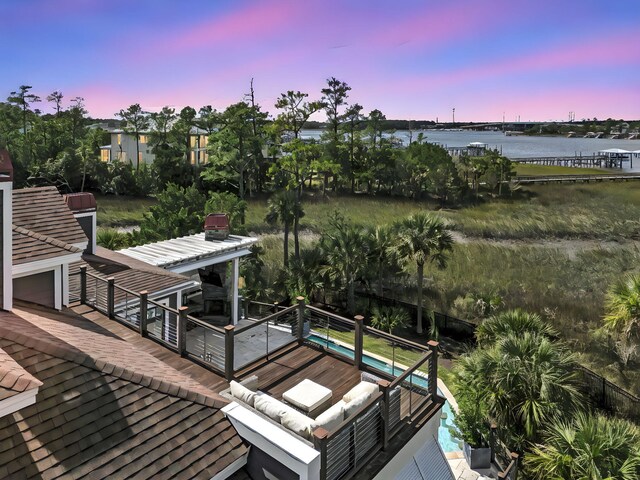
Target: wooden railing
{"x":404,"y":390}
{"x":171,"y":327}
{"x":506,"y":462}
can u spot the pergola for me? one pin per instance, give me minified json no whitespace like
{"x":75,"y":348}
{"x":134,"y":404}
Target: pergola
{"x":187,"y":254}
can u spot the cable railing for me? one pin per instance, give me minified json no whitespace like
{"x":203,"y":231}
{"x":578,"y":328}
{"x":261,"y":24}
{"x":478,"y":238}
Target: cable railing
{"x":126,"y":306}
{"x":260,"y":338}
{"x":95,"y":292}
{"x":205,"y":343}
{"x":162,"y":323}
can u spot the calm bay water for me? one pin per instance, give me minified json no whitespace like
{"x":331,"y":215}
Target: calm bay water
{"x":518,"y":146}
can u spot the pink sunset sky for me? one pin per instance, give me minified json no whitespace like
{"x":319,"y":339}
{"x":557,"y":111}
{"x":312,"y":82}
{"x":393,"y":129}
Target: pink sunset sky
{"x":411,"y":59}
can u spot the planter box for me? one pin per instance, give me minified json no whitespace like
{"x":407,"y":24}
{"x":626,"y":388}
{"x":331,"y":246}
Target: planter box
{"x":477,"y":457}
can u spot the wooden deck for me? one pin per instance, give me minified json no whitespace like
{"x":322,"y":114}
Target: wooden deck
{"x":275,"y":375}
{"x":279,"y":374}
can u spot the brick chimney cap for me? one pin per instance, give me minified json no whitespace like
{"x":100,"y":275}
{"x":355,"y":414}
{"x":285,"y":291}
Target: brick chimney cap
{"x":80,"y":202}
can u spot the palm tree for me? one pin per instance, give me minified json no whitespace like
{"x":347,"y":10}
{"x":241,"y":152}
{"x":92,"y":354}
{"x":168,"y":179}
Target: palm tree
{"x":111,"y":238}
{"x":304,"y":276}
{"x":422,"y":238}
{"x":525,"y":379}
{"x":344,"y":250}
{"x":380,"y":242}
{"x":623,"y":307}
{"x":389,"y":318}
{"x":587,"y":447}
{"x":282,"y":207}
{"x":512,"y":322}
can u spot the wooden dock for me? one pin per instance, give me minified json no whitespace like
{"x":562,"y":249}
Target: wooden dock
{"x":586,"y":178}
{"x":594,"y":161}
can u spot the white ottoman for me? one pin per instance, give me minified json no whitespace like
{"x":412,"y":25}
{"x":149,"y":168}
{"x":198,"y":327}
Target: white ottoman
{"x":309,"y":397}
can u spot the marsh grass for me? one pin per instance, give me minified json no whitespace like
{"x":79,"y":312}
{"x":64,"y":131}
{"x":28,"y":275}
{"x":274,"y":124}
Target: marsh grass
{"x":604,"y":211}
{"x":607,"y":211}
{"x":121,"y":211}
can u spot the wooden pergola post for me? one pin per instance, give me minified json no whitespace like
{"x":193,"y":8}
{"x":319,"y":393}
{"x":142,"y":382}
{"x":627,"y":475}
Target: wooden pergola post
{"x":358,"y":343}
{"x":433,"y":368}
{"x":229,"y":352}
{"x":144,"y":295}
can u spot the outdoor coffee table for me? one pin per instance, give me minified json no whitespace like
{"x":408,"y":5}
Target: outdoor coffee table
{"x":309,"y":397}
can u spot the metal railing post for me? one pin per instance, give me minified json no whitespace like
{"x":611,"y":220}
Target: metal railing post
{"x":111,"y":294}
{"x":143,"y":313}
{"x":383,"y":385}
{"x":300,"y":326}
{"x":492,"y":441}
{"x":83,"y":284}
{"x":433,"y":368}
{"x":515,"y":458}
{"x":359,"y":334}
{"x":229,"y":352}
{"x":320,"y":443}
{"x":182,"y":330}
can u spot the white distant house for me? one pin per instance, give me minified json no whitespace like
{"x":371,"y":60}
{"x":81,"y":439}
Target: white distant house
{"x":123,"y":147}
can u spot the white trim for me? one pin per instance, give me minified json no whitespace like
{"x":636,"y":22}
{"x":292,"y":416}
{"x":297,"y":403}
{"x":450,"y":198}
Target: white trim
{"x":16,"y":402}
{"x":81,"y":245}
{"x":65,"y":284}
{"x":187,"y":266}
{"x":23,"y":269}
{"x":234,"y":289}
{"x":233,"y":468}
{"x":94,"y":227}
{"x":274,"y":441}
{"x":57,"y":288}
{"x":7,"y":248}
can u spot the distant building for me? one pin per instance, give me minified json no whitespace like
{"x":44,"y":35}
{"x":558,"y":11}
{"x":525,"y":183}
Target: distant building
{"x":123,"y":148}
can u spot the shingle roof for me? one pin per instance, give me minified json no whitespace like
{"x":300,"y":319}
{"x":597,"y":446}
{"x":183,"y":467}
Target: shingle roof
{"x":29,"y":246}
{"x":128,"y":273}
{"x":43,"y":210}
{"x":106,"y":409}
{"x":13,"y":378}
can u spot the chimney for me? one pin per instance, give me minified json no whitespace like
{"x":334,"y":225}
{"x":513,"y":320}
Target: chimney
{"x":6,"y":210}
{"x":83,"y":207}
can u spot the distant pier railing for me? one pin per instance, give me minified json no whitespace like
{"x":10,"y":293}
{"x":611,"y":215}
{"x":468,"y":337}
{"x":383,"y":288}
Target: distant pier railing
{"x":586,"y":178}
{"x":579,"y":161}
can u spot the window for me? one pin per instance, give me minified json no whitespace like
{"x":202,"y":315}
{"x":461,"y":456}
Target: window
{"x":104,"y":155}
{"x":144,"y":139}
{"x":193,"y":158}
{"x":139,"y":157}
{"x":203,"y":141}
{"x":193,"y":141}
{"x":119,"y":139}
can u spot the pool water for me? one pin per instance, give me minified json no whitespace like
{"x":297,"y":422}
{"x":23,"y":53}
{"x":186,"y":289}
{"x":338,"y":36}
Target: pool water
{"x":447,"y":442}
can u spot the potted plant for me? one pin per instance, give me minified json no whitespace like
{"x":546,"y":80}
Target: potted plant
{"x":473,"y":429}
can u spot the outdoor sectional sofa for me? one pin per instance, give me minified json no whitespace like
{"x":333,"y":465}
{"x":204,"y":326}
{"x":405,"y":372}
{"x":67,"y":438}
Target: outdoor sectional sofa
{"x":292,"y":420}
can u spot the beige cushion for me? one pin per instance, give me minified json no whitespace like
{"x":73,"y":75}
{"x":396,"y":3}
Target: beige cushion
{"x":242,"y":393}
{"x":307,"y":395}
{"x":355,"y":404}
{"x":362,"y":387}
{"x":298,"y":423}
{"x":333,"y":417}
{"x":271,"y":407}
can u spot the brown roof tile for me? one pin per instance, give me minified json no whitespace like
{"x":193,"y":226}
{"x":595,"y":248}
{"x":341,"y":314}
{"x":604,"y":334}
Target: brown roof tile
{"x":29,"y":246}
{"x":43,"y":210}
{"x":88,"y":422}
{"x":13,"y":378}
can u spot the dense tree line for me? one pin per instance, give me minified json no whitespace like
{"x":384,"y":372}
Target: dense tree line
{"x":250,"y":151}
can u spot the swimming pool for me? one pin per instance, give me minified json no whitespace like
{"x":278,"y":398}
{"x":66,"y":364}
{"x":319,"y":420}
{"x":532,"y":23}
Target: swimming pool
{"x":447,"y":442}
